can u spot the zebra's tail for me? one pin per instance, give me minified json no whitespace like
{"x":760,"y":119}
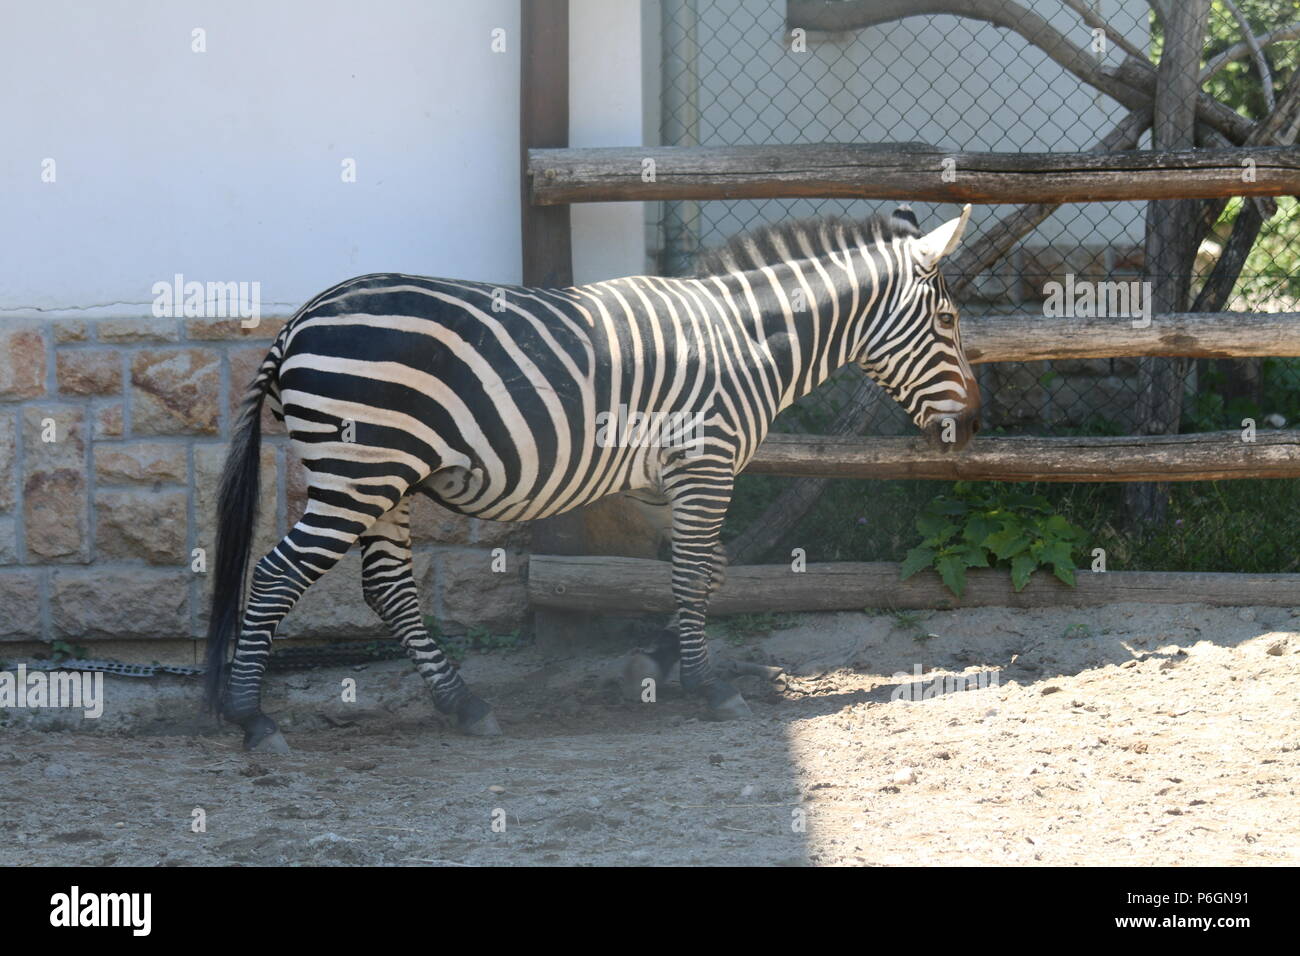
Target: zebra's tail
{"x":237,"y":501}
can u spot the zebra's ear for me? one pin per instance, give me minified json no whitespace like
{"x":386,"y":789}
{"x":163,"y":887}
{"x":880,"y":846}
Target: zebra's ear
{"x":933,"y":246}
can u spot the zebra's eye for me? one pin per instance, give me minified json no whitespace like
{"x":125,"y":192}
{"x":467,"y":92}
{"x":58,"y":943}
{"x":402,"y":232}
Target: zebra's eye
{"x":947,"y":319}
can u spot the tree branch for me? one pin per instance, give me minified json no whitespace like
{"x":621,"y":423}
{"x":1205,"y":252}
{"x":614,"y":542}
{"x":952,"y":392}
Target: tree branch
{"x":1090,"y":17}
{"x":1265,"y":74}
{"x":1135,"y":88}
{"x":1279,"y":129}
{"x":1232,"y":54}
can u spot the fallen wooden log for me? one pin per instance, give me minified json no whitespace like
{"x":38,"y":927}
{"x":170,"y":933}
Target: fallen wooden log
{"x":611,"y":585}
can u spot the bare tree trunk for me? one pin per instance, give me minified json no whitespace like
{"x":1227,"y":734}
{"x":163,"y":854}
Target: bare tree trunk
{"x":1171,"y":238}
{"x":1242,"y":376}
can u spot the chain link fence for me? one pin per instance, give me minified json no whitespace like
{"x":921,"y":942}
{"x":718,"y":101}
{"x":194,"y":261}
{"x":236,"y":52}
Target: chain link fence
{"x":734,"y":72}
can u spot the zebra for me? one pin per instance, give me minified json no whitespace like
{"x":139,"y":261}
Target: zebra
{"x":491,"y":400}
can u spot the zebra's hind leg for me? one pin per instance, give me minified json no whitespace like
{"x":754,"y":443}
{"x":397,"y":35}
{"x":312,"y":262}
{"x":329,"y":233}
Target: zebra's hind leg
{"x":314,"y":545}
{"x":389,"y":589}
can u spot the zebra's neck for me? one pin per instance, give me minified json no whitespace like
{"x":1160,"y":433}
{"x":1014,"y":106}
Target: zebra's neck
{"x":817,"y":314}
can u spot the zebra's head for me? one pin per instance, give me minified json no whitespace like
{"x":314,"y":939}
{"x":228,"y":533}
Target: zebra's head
{"x":913,"y":348}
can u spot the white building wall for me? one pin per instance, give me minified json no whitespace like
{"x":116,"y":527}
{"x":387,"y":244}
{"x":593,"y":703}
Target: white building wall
{"x":226,"y":165}
{"x":606,"y":51}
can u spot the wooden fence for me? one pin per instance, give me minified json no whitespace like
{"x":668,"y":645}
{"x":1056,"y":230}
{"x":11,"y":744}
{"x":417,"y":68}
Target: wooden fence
{"x":566,"y":588}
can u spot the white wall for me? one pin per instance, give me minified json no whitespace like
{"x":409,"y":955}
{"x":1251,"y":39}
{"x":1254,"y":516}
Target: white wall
{"x":606,"y":109}
{"x":225,"y":165}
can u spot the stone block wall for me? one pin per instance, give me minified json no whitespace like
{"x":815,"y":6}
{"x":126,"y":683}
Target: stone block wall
{"x":112,"y":437}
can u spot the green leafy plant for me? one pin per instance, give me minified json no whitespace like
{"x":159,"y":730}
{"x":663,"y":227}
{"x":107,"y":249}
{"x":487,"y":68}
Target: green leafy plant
{"x":983,"y":525}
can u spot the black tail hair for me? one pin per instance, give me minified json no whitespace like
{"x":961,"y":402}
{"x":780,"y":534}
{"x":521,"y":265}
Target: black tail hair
{"x":236,"y":514}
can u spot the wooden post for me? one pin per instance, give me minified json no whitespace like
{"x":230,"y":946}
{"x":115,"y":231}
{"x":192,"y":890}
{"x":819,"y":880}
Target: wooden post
{"x":548,"y":262}
{"x":544,"y":123}
{"x":547,"y":238}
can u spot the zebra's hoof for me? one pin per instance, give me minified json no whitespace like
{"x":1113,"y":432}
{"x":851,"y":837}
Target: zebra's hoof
{"x":262,"y":736}
{"x":474,"y":718}
{"x":725,"y":703}
{"x":640,"y":667}
{"x":485,"y":726}
{"x":273,"y":743}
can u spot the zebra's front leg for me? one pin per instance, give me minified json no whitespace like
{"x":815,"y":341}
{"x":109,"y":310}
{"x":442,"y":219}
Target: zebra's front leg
{"x":657,"y":663}
{"x":700,"y":496}
{"x":389,"y":589}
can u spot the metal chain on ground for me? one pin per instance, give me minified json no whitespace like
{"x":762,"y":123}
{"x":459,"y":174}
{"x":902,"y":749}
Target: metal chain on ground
{"x":287,"y":659}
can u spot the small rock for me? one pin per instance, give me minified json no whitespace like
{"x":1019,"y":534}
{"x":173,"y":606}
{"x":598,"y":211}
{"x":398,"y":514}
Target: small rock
{"x":1277,"y":648}
{"x":1050,"y":689}
{"x":905,"y":775}
{"x":56,"y":771}
{"x":747,"y":790}
{"x":496,"y":788}
{"x":1246,"y":614}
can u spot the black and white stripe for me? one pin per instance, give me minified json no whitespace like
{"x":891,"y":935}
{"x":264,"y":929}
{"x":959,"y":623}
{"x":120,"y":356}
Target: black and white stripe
{"x":494,"y":401}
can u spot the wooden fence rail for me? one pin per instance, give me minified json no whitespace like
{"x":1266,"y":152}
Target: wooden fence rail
{"x":1205,"y":456}
{"x":636,"y":585}
{"x":910,"y":173}
{"x":1028,"y":337}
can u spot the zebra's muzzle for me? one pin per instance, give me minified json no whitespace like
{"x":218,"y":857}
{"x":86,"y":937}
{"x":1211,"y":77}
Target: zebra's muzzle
{"x":948,"y":433}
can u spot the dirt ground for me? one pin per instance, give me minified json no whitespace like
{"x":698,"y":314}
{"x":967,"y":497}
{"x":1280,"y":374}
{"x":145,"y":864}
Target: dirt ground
{"x":1129,"y":735}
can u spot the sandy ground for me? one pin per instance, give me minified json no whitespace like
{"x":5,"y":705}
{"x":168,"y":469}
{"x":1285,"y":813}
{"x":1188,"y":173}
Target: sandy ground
{"x":1126,"y":735}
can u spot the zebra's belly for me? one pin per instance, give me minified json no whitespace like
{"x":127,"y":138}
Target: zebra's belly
{"x":463,"y":491}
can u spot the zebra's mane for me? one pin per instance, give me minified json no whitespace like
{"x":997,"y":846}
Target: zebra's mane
{"x":759,"y":247}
